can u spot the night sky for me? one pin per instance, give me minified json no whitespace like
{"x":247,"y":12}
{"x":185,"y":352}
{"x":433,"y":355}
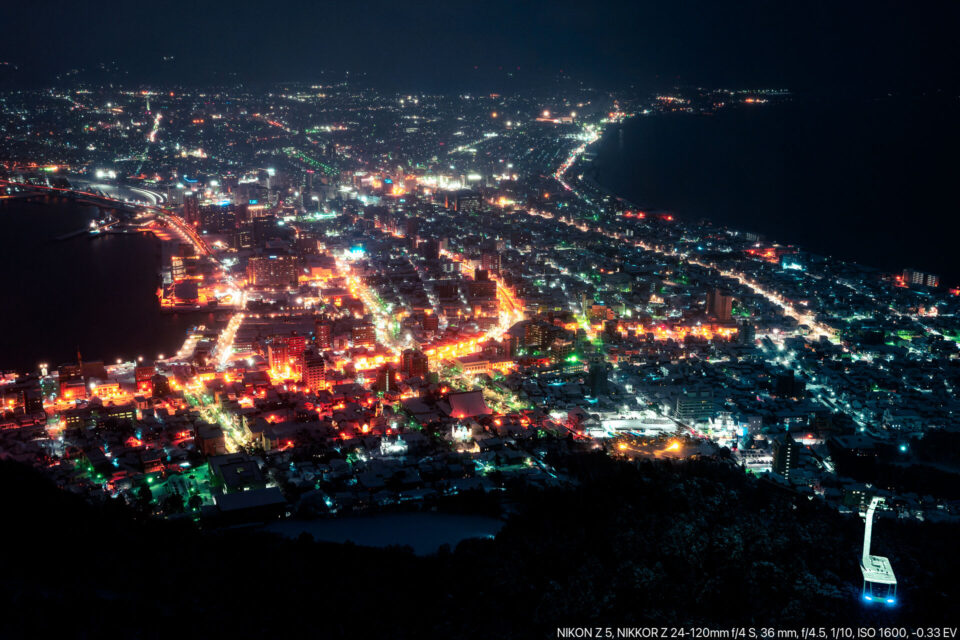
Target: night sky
{"x":802,"y":45}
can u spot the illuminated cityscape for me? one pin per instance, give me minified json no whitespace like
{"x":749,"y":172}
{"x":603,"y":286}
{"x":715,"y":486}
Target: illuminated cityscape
{"x":415,"y":306}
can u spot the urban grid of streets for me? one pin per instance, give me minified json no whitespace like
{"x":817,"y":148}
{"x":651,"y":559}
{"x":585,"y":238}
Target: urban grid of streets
{"x":392,"y":296}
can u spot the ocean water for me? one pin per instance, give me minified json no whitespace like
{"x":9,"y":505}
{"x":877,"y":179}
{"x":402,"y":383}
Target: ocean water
{"x":870,"y":180}
{"x":97,"y":294}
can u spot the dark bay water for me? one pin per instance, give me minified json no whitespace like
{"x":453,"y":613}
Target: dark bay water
{"x":868,"y":180}
{"x":424,"y":531}
{"x":95,"y":293}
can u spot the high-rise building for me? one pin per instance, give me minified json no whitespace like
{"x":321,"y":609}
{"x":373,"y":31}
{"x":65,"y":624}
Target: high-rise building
{"x":191,"y":208}
{"x":719,"y":305}
{"x":429,"y":321}
{"x":242,"y":237}
{"x":313,"y":374}
{"x":597,"y":378}
{"x":387,"y":380}
{"x":447,"y":289}
{"x":430,"y":249}
{"x":217,"y":218}
{"x":694,"y":404}
{"x":538,"y":334}
{"x":323,"y":334}
{"x":309,"y":202}
{"x":273,"y":271}
{"x":278,"y":356}
{"x":363,"y":334}
{"x":307,"y":241}
{"x":482,"y":290}
{"x":920,"y":278}
{"x":611,"y":329}
{"x":264,"y":177}
{"x":786,"y":455}
{"x":264,"y":227}
{"x":296,"y":344}
{"x":490,"y":261}
{"x":789,"y":386}
{"x":467,"y":201}
{"x":513,"y":345}
{"x":412,"y":227}
{"x":414,"y":363}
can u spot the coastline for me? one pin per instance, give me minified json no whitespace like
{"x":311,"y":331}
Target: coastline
{"x":112,"y":294}
{"x":682,"y":149}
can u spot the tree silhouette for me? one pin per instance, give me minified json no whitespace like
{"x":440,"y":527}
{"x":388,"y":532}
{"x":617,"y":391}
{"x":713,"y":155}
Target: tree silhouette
{"x":144,"y":498}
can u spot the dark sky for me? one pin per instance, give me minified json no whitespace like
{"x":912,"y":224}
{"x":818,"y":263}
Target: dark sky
{"x":800,"y":44}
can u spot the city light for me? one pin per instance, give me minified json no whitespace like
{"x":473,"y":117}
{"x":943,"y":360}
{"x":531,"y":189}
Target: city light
{"x":380,"y":303}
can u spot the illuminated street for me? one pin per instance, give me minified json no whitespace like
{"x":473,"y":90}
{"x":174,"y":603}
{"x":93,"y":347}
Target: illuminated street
{"x":480,"y":320}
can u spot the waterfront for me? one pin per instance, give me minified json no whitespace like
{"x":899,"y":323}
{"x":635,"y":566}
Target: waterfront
{"x":98,"y":294}
{"x":865,"y":180}
{"x":488,"y":350}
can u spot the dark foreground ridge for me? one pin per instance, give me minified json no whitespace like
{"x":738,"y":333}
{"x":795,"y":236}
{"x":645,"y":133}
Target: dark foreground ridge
{"x":695,"y":543}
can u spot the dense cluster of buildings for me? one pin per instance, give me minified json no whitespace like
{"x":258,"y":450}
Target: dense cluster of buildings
{"x":424,"y":295}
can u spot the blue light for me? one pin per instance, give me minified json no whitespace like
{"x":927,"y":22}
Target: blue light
{"x":254,"y":201}
{"x":903,"y":448}
{"x":891,"y":601}
{"x":868,"y":598}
